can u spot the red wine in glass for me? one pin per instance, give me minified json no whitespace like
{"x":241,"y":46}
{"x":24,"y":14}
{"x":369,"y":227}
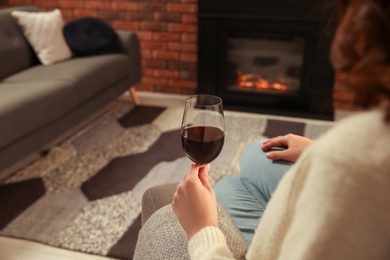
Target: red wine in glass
{"x":202,"y":144}
{"x":203,"y":125}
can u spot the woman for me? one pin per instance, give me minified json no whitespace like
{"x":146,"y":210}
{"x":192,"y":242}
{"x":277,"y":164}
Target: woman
{"x":333,"y":203}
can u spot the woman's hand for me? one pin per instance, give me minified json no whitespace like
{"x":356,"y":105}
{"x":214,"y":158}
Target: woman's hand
{"x":194,"y":201}
{"x":295,"y":145}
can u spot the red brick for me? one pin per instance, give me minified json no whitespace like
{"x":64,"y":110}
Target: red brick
{"x":182,"y":83}
{"x":97,"y":5}
{"x":45,"y":4}
{"x":131,"y":16}
{"x":41,"y":2}
{"x":188,"y":75}
{"x":67,"y":14}
{"x":152,"y":26}
{"x":154,"y":64}
{"x":124,"y":6}
{"x":146,"y":7}
{"x":182,"y":8}
{"x":147,"y":72}
{"x":166,"y":73}
{"x":182,"y":65}
{"x":146,"y":54}
{"x":189,"y":18}
{"x":122,"y":25}
{"x":161,"y":1}
{"x":154,"y":81}
{"x":48,"y":5}
{"x":166,"y":55}
{"x":70,"y":4}
{"x":178,"y":27}
{"x":19,"y":2}
{"x":153,"y":45}
{"x":186,"y":47}
{"x":166,"y":36}
{"x":145,"y":36}
{"x":193,"y":38}
{"x":167,"y":17}
{"x":108,"y":15}
{"x":84,"y":13}
{"x":188,"y":57}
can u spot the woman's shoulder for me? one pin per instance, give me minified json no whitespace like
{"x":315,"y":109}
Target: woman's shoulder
{"x":360,"y":128}
{"x":361,"y":138}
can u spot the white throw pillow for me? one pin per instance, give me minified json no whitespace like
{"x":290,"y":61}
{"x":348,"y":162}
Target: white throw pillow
{"x":44,"y":32}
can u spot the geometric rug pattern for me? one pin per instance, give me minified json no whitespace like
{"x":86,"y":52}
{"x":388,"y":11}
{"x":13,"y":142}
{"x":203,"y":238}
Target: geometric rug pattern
{"x":85,"y":194}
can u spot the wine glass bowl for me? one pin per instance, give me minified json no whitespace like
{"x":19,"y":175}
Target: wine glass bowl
{"x":203,"y":128}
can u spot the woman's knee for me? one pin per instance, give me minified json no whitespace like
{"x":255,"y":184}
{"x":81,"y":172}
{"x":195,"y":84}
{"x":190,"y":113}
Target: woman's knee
{"x":228,"y":190}
{"x":253,"y":159}
{"x":225,"y":185}
{"x":262,"y":173}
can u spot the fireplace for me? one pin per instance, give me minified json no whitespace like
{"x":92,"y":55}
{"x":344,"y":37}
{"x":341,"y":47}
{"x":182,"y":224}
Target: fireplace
{"x":264,"y":64}
{"x":260,"y":57}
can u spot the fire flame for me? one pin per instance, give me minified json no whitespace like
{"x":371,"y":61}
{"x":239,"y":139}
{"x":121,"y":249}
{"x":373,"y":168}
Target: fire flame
{"x":254,"y":81}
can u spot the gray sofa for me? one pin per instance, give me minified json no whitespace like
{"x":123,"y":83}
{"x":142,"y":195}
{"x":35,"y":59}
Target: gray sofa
{"x":40,"y":103}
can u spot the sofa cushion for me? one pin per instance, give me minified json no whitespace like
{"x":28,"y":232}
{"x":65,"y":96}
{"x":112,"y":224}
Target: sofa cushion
{"x":91,"y":36}
{"x":25,"y":107}
{"x":44,"y":32}
{"x":15,"y":52}
{"x":89,"y":75}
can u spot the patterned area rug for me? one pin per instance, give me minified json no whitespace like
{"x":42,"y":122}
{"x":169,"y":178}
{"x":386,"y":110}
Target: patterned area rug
{"x":85,"y":194}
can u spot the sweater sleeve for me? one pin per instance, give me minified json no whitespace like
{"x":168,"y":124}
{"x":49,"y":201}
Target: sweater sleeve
{"x":209,"y":243}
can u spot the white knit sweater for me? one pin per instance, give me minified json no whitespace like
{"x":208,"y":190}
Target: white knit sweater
{"x":334,"y":203}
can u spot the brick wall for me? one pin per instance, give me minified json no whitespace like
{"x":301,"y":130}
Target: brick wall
{"x":168,"y":33}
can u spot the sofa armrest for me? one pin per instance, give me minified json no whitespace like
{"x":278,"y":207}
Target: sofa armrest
{"x":158,"y":220}
{"x":155,"y":198}
{"x":154,"y":243}
{"x":129,"y":45}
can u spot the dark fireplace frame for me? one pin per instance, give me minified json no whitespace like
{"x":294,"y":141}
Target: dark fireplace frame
{"x":218,"y":20}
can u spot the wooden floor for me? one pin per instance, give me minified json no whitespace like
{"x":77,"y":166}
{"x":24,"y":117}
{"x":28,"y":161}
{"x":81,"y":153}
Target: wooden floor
{"x":17,"y":249}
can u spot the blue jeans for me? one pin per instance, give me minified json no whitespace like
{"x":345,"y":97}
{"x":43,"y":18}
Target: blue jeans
{"x":245,"y":197}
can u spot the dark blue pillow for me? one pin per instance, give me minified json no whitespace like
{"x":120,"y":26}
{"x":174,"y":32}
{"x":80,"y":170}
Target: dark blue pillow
{"x":91,"y":36}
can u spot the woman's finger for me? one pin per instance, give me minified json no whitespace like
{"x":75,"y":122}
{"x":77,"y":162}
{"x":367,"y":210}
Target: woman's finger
{"x":204,"y":177}
{"x":193,"y":171}
{"x":276,"y":141}
{"x":279,"y":155}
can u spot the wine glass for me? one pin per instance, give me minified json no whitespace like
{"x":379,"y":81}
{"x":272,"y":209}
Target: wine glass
{"x":203,"y":128}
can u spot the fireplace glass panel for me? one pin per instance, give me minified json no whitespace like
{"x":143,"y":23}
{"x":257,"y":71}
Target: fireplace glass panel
{"x":269,"y":65}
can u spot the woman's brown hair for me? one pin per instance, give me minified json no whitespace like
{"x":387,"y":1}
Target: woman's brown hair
{"x":361,"y":50}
